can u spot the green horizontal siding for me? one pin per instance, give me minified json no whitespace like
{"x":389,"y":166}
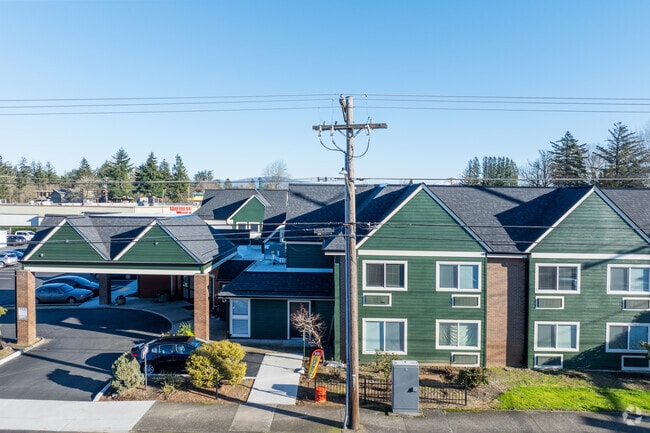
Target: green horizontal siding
{"x":422,"y":225}
{"x":66,"y":245}
{"x":422,"y":305}
{"x":593,"y":308}
{"x":253,"y":211}
{"x":269,"y":319}
{"x":158,"y":247}
{"x":593,"y":227}
{"x":307,"y":256}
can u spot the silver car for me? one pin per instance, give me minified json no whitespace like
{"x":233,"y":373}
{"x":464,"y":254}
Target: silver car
{"x":58,"y":293}
{"x":8,"y":259}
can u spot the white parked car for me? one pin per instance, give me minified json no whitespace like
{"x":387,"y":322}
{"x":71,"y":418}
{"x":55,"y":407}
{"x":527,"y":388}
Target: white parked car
{"x":27,"y":233}
{"x":8,"y":259}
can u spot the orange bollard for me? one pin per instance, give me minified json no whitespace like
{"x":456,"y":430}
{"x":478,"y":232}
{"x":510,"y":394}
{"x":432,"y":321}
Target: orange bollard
{"x":321,"y":394}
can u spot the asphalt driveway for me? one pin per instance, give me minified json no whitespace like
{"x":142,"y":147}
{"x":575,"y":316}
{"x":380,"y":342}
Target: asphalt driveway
{"x":80,"y":345}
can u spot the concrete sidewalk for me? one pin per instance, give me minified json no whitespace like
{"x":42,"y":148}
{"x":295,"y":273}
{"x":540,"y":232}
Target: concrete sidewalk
{"x":122,"y":417}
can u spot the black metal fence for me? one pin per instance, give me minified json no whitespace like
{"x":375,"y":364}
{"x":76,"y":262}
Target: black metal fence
{"x":379,"y":392}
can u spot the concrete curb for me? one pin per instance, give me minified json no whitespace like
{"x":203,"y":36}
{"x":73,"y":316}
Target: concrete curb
{"x":17,"y":353}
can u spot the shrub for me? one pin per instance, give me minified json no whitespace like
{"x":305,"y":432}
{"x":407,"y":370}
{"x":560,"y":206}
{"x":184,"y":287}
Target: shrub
{"x":383,"y":363}
{"x":169,"y":384}
{"x":126,"y":373}
{"x":216,"y":362}
{"x":185,"y":328}
{"x":472,"y":377}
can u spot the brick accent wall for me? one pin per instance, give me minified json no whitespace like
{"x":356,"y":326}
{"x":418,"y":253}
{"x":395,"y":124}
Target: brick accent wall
{"x":25,"y":308}
{"x":506,"y":312}
{"x":201,"y":306}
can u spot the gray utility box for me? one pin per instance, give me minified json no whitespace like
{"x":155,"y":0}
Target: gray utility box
{"x":406,"y":387}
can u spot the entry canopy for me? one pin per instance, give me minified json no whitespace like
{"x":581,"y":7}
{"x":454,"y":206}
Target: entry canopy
{"x":125,"y":244}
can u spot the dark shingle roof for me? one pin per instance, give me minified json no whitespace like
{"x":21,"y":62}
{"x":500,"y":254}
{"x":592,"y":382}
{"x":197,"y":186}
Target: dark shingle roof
{"x":508,"y":219}
{"x":312,"y":285}
{"x":110,"y":234}
{"x":221,"y":204}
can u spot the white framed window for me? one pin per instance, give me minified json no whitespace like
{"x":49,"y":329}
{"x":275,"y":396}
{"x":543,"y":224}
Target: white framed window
{"x":560,"y":336}
{"x":384,"y":275}
{"x":377,"y":299}
{"x":625,"y":337}
{"x":240,"y":324}
{"x":549,"y":360}
{"x":255,"y":227}
{"x":385,"y":335}
{"x":628,"y":279}
{"x":557,"y":278}
{"x":635,"y":363}
{"x":466,"y":301}
{"x":458,"y":277}
{"x":241,"y":226}
{"x":453,"y":334}
{"x":465,"y":359}
{"x":636,"y":304}
{"x":549,"y":302}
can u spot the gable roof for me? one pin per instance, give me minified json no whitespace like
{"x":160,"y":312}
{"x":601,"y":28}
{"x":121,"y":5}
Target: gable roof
{"x":634,"y":203}
{"x":112,"y":235}
{"x":222,"y":204}
{"x":509,"y":219}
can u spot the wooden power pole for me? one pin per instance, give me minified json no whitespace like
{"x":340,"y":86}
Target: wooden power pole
{"x":352,"y":300}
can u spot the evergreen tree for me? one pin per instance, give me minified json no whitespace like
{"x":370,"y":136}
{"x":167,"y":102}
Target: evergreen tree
{"x":626,"y":161}
{"x":119,"y":176}
{"x":165,"y":174}
{"x":180,"y":186}
{"x":568,"y":161}
{"x":84,"y":171}
{"x":7,"y":179}
{"x":472,"y":174}
{"x":499,"y":171}
{"x":147,"y":178}
{"x":25,"y":189}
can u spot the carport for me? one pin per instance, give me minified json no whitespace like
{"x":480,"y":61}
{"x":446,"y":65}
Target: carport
{"x":182,"y":250}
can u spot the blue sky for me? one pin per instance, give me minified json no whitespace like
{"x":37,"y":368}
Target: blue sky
{"x":253,"y":51}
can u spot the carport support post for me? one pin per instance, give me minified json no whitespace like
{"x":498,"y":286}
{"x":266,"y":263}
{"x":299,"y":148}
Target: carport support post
{"x":201,"y":306}
{"x":25,"y":308}
{"x":105,"y":294}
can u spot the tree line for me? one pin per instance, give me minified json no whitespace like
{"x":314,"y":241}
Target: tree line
{"x":622,"y":161}
{"x":119,"y":180}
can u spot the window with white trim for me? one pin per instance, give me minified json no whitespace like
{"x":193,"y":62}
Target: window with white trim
{"x":549,"y":360}
{"x":240,"y":317}
{"x":377,"y":299}
{"x":378,"y":275}
{"x":384,"y":335}
{"x":452,"y":334}
{"x":625,"y":337}
{"x":628,"y":279}
{"x":551,"y":278}
{"x":561,"y":336}
{"x":458,"y":276}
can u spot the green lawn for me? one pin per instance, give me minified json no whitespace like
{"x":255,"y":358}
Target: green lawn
{"x":533,"y":390}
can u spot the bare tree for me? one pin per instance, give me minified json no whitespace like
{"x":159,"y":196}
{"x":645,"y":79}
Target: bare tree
{"x":311,"y":326}
{"x":275,"y":173}
{"x":538,"y":172}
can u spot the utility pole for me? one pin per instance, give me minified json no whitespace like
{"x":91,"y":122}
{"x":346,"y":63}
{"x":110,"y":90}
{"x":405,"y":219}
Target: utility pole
{"x":351,"y":297}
